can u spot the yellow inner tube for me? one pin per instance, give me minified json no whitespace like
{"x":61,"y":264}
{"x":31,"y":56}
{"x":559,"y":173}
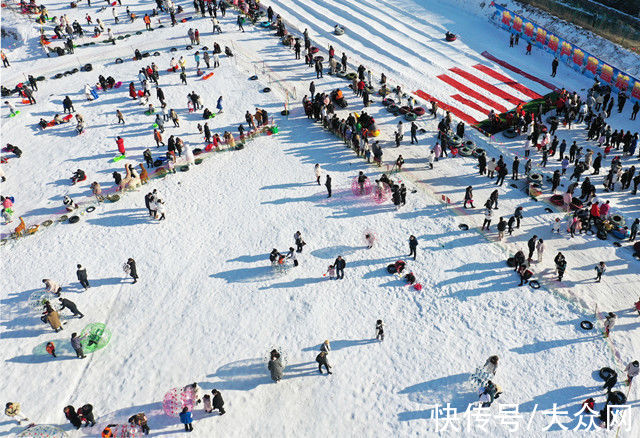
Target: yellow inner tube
{"x":32,"y":229}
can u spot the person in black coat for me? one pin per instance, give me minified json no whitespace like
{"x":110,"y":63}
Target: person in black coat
{"x":532,"y":246}
{"x":68,"y":304}
{"x":217,"y":402}
{"x":86,"y":414}
{"x":413,"y":246}
{"x":339,"y":264}
{"x":328,"y":186}
{"x":132,"y":270}
{"x":72,"y":416}
{"x":81,"y":273}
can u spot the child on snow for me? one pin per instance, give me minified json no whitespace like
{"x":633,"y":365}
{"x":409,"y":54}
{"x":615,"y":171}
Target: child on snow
{"x":379,"y":330}
{"x":331,"y":271}
{"x":206,"y":400}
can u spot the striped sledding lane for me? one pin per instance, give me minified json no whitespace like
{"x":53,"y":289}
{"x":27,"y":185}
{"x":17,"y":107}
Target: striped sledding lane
{"x":470,"y":104}
{"x":468,"y":91}
{"x":453,"y":110}
{"x":520,"y":72}
{"x":507,"y":81}
{"x":487,"y":86}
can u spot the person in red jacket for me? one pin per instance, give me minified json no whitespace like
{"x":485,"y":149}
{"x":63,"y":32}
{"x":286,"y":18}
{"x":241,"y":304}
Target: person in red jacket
{"x":594,"y":213}
{"x":51,"y":349}
{"x":120,"y":143}
{"x":132,"y":91}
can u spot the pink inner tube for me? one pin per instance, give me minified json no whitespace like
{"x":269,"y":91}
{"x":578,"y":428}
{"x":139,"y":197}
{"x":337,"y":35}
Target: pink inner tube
{"x":366,"y":188}
{"x":314,"y":49}
{"x":419,"y":111}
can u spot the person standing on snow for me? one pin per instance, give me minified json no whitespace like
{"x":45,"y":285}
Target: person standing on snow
{"x":554,"y":67}
{"x":600,"y":268}
{"x":76,"y":343}
{"x":86,"y":415}
{"x":531,"y":244}
{"x":609,"y":322}
{"x":379,"y":330}
{"x":275,"y":366}
{"x":322,"y":359}
{"x":487,"y":218}
{"x":491,"y":365}
{"x":299,"y":242}
{"x":186,"y":419}
{"x":328,"y":186}
{"x":131,"y":270}
{"x":72,"y":416}
{"x":413,"y":246}
{"x":318,"y":171}
{"x":81,"y":273}
{"x":292,"y":255}
{"x":339,"y":264}
{"x":217,"y":402}
{"x":468,"y":197}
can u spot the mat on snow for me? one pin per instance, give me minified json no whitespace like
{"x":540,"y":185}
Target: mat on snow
{"x":487,"y":86}
{"x":466,"y":90}
{"x":453,"y":110}
{"x":507,"y":81}
{"x":470,"y":104}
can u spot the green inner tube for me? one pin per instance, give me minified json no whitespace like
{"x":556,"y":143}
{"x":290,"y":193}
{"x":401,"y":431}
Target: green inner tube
{"x":40,"y":78}
{"x":139,"y":32}
{"x":184,"y":168}
{"x":120,"y":37}
{"x":47,"y":223}
{"x":198,"y":160}
{"x":465,"y":151}
{"x":350,"y":76}
{"x":340,"y":74}
{"x":94,"y":337}
{"x":114,"y":198}
{"x":57,"y":76}
{"x":410,"y":117}
{"x":63,"y":218}
{"x":510,"y":133}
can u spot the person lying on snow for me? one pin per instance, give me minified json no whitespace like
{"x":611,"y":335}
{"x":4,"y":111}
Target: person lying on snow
{"x":78,"y":175}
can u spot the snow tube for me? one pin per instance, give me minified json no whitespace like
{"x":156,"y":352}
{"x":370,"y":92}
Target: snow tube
{"x":636,"y":248}
{"x":419,"y":111}
{"x":239,"y":146}
{"x":145,"y":55}
{"x":284,"y":112}
{"x":189,"y":47}
{"x":94,"y":337}
{"x":156,"y":53}
{"x":41,"y":78}
{"x":510,"y":133}
{"x":32,"y":229}
{"x":173,"y":49}
{"x":114,"y":198}
{"x":606,"y":372}
{"x":88,"y":67}
{"x":586,"y":325}
{"x":74,"y":219}
{"x":383,"y":92}
{"x":477,"y":152}
{"x":197,"y":151}
{"x":90,"y":209}
{"x":67,"y":73}
{"x":118,"y":60}
{"x":450,"y":37}
{"x":393,"y":109}
{"x":617,"y":244}
{"x":57,"y":76}
{"x":265,"y":24}
{"x":548,"y":210}
{"x":463,"y":227}
{"x":350,"y":76}
{"x":63,"y":218}
{"x":75,"y":70}
{"x":205,"y":48}
{"x":338,"y":30}
{"x":552,"y":119}
{"x":184,"y":168}
{"x":576,"y":204}
{"x":47,"y":223}
{"x":535,"y":178}
{"x":511,"y":262}
{"x":534,"y":284}
{"x":198,"y":161}
{"x":315,"y":50}
{"x":557,"y":200}
{"x":340,"y":74}
{"x":266,"y":89}
{"x":387,"y":101}
{"x":470,"y":144}
{"x":411,"y":117}
{"x":120,"y":37}
{"x":253,"y":78}
{"x":617,"y":398}
{"x":139,"y":32}
{"x":618,"y":220}
{"x":601,"y":234}
{"x":465,"y":151}
{"x":404,"y":110}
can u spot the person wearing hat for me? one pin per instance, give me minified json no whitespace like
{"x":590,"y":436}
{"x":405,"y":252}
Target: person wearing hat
{"x":76,"y":343}
{"x":186,"y":419}
{"x":12,"y":409}
{"x":217,"y":402}
{"x":325,"y":346}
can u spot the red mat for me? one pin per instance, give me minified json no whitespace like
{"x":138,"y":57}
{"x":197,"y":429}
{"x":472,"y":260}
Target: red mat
{"x":487,"y":86}
{"x":507,"y":81}
{"x":466,"y":90}
{"x":453,"y":110}
{"x":470,"y":104}
{"x":518,"y":71}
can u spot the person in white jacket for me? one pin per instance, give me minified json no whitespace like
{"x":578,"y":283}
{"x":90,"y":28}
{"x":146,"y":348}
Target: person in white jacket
{"x":292,"y":255}
{"x":318,"y":171}
{"x":110,"y":36}
{"x":540,"y":249}
{"x":52,"y":286}
{"x":188,"y":155}
{"x":87,"y":92}
{"x":160,"y":210}
{"x":633,"y":369}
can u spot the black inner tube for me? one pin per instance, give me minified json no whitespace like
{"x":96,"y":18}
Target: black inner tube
{"x":534,"y":284}
{"x":586,"y":325}
{"x":463,"y":227}
{"x":90,"y":209}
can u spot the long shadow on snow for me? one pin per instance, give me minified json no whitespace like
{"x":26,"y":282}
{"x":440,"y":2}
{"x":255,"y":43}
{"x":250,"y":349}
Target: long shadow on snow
{"x":245,"y":275}
{"x":438,"y":391}
{"x":343,"y":343}
{"x":247,"y":374}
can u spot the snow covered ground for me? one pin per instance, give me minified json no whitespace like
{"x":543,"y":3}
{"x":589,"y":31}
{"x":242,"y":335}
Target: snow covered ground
{"x":208,"y":307}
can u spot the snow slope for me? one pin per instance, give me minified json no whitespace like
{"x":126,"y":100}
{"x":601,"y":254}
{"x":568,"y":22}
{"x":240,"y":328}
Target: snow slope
{"x":208,"y":307}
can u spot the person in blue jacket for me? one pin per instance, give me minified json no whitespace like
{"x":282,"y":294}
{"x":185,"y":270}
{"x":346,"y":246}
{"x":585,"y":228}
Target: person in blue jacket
{"x":186,"y":419}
